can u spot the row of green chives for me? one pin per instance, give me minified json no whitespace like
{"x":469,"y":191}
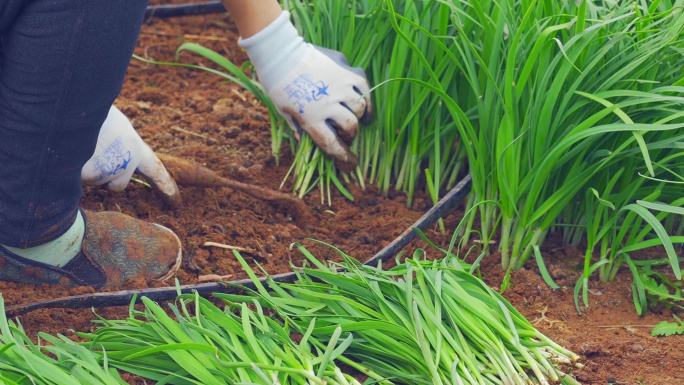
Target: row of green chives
{"x":578,"y":128}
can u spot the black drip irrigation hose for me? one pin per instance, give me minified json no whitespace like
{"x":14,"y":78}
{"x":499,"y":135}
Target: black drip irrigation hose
{"x":174,"y":10}
{"x":124,"y":297}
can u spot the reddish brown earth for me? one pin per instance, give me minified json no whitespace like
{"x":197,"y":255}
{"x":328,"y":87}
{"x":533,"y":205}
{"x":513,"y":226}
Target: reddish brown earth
{"x":197,"y":116}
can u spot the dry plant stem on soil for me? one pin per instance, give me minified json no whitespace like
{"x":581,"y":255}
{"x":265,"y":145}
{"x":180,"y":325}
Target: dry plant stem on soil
{"x":188,"y":173}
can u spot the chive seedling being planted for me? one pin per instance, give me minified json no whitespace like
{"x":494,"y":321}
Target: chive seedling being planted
{"x":412,"y":138}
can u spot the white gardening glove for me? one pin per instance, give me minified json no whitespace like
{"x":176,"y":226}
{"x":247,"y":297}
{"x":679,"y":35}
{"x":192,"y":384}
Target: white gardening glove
{"x":314,"y":88}
{"x":120,"y":152}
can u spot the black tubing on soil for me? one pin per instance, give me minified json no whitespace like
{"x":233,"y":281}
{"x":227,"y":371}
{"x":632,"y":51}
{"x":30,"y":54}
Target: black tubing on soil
{"x":174,"y":10}
{"x":124,"y":297}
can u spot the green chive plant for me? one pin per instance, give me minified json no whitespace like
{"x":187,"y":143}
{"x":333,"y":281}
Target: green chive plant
{"x":579,"y":125}
{"x":413,"y":139}
{"x":24,"y":363}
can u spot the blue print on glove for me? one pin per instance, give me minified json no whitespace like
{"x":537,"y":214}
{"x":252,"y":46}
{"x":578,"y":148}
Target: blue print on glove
{"x":113,"y":160}
{"x":304,"y":90}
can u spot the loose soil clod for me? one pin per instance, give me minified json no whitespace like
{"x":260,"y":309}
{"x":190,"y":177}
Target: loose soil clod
{"x":189,"y":173}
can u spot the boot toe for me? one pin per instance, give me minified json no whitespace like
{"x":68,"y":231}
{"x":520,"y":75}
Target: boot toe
{"x":172,"y":250}
{"x":117,"y":251}
{"x":128,"y":249}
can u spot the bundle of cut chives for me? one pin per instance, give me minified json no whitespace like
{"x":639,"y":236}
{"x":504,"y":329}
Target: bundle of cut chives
{"x":421,"y":322}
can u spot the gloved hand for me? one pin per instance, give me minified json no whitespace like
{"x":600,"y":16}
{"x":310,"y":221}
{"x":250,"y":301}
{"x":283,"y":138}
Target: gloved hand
{"x":314,"y":88}
{"x":120,"y":152}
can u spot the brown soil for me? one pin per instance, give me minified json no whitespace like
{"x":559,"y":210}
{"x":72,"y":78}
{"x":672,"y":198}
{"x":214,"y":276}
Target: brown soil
{"x":615,"y":343}
{"x":197,"y":116}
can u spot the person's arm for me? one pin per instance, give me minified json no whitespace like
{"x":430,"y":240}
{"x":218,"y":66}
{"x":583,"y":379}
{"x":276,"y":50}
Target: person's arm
{"x":314,"y":88}
{"x":251,"y":16}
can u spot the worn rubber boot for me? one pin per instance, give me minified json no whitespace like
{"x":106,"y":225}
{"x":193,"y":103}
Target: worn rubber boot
{"x":116,"y":250}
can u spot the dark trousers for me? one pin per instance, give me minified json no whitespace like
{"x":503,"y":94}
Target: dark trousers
{"x":62,"y":63}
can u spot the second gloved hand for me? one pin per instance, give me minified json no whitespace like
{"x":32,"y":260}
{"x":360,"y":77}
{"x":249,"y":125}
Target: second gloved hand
{"x":119,"y":153}
{"x":314,"y":88}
